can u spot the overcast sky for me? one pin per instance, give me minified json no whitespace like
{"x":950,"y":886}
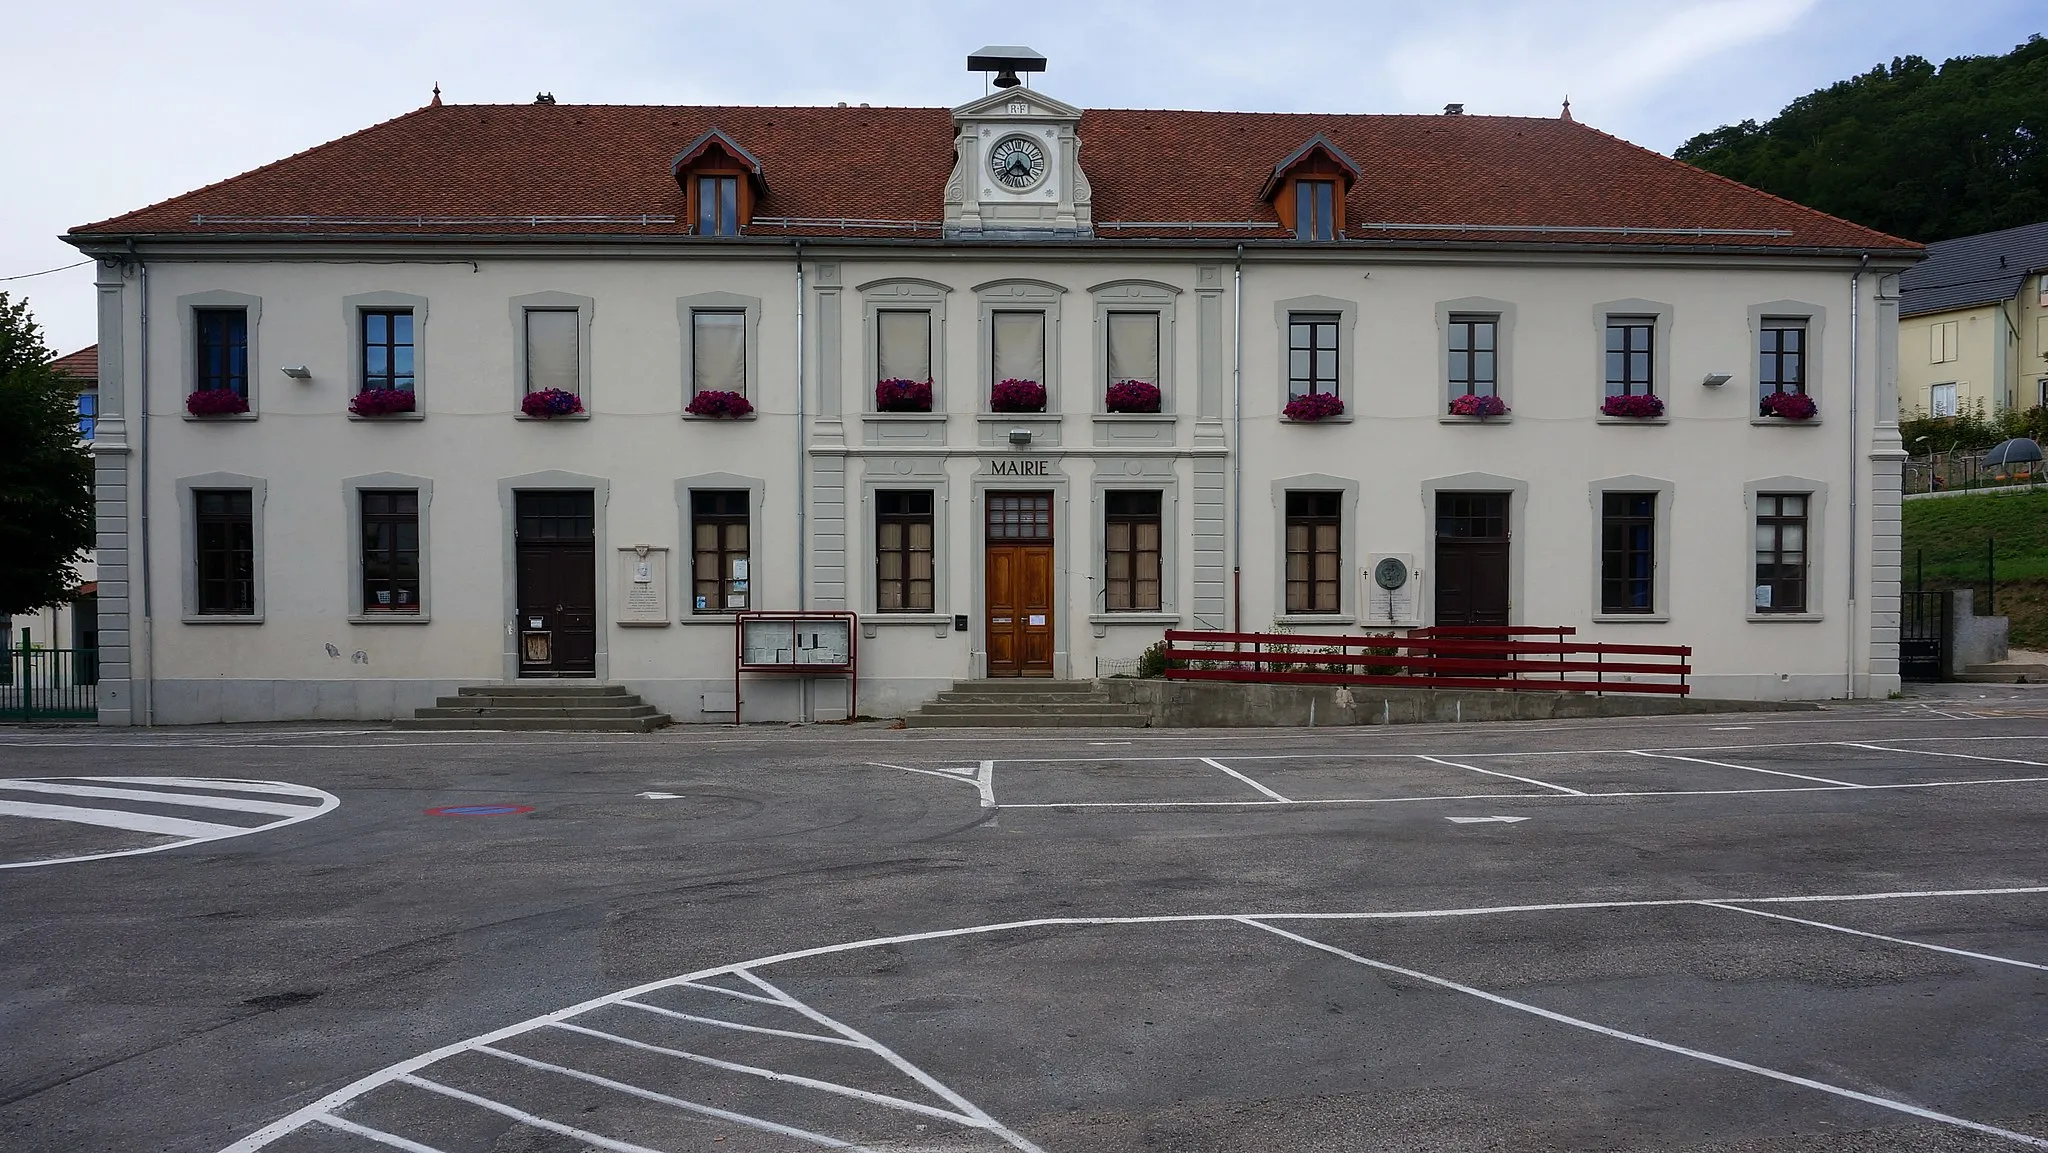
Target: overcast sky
{"x":117,"y":104}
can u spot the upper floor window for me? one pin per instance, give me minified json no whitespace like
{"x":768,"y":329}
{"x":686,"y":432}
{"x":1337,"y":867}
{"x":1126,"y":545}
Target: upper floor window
{"x":553,"y":352}
{"x":1017,"y":353}
{"x":1134,"y":347}
{"x":1315,"y":209}
{"x":718,"y":206}
{"x":718,"y":351}
{"x":387,"y":349}
{"x":1631,"y":342}
{"x":224,"y":531}
{"x":1781,"y":365}
{"x":1474,"y":354}
{"x":903,"y":341}
{"x":1311,"y":353}
{"x":223,"y":349}
{"x":88,"y":413}
{"x":1943,"y":338}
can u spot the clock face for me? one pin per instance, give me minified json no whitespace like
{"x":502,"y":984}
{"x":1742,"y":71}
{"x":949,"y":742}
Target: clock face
{"x":1017,"y":162}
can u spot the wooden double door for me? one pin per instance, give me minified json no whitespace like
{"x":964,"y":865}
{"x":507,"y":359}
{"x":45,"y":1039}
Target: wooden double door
{"x":1472,"y":539}
{"x":555,"y":546}
{"x":1018,"y":613}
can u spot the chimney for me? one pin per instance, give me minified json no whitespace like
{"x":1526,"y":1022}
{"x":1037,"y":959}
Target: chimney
{"x":1454,"y":110}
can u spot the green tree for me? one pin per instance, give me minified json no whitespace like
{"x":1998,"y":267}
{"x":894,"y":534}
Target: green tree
{"x":1917,"y":151}
{"x":45,"y":473}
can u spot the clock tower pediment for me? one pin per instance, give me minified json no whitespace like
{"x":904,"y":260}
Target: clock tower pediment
{"x":1016,"y":170}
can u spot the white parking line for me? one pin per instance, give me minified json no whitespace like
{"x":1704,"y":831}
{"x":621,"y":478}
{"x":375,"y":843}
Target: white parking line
{"x":390,"y":1140}
{"x":1653,"y":1043}
{"x":1492,"y":773}
{"x":1958,"y":756}
{"x":1228,"y":771}
{"x":525,"y":1118}
{"x":982,"y":778}
{"x":721,"y":1023}
{"x":1748,"y":769}
{"x":1876,"y":936}
{"x":1787,"y":790}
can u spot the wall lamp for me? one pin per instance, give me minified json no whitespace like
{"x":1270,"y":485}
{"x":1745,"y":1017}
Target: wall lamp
{"x":1717,"y":379}
{"x":1020,"y":436}
{"x":298,"y":372}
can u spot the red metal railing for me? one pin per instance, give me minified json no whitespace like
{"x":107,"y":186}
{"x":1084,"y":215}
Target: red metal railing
{"x":1463,"y":657}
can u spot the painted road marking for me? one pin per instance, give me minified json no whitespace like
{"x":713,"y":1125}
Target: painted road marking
{"x":660,"y":796}
{"x":982,"y":777}
{"x":1877,"y":936}
{"x":1213,"y":763}
{"x":1653,"y":1043}
{"x":405,"y":1071}
{"x":1958,"y":756}
{"x":1483,"y":820}
{"x":480,"y":811}
{"x":200,"y":793}
{"x":1492,"y":773}
{"x":1789,"y":789}
{"x":1747,"y":768}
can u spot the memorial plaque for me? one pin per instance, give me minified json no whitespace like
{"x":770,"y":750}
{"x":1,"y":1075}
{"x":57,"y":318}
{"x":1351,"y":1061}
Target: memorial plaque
{"x":640,"y":587}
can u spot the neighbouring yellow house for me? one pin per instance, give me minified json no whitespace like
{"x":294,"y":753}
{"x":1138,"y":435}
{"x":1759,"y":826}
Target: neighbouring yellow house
{"x":1973,"y":324}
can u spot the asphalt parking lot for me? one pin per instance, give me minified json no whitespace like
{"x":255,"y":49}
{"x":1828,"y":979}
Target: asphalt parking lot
{"x":1822,"y":931}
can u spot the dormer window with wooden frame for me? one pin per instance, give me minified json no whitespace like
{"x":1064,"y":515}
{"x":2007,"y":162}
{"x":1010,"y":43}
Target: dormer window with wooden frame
{"x":1307,"y":189}
{"x":721,"y":184}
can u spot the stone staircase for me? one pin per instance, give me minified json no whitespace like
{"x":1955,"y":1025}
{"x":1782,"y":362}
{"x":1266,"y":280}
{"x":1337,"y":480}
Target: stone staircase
{"x":541,"y":706}
{"x":1026,"y":703}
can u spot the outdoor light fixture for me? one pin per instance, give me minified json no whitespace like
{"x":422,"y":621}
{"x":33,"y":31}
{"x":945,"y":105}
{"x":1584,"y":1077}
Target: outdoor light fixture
{"x":298,"y":372}
{"x":1717,"y":379}
{"x":1020,"y":436}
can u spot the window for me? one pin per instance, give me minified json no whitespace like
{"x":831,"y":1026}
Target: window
{"x":1781,"y":552}
{"x":1315,"y":210}
{"x":1781,"y":365}
{"x":223,"y":349}
{"x":1130,"y":565}
{"x":1311,"y":353}
{"x":1630,"y":343}
{"x":391,"y":551}
{"x":1943,"y":337}
{"x":1941,"y":399}
{"x":718,"y":526}
{"x":903,"y":341}
{"x":718,"y":351}
{"x":225,"y":529}
{"x":1017,"y":346}
{"x":1134,"y":347}
{"x":88,"y":413}
{"x":1473,"y":354}
{"x":718,"y":209}
{"x":903,"y":552}
{"x":1314,"y":557}
{"x":387,"y":349}
{"x":553,"y":355}
{"x":1628,"y":533}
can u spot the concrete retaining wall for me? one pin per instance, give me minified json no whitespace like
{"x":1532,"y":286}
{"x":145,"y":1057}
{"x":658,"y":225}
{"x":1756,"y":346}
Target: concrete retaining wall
{"x":1218,"y":704}
{"x":1972,"y":640}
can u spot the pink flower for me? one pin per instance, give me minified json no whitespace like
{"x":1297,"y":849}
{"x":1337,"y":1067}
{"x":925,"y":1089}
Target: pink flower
{"x":1789,"y":405}
{"x":730,"y":405}
{"x":899,"y":395}
{"x":551,"y":402}
{"x":1313,"y":406}
{"x":382,"y":401}
{"x":216,"y":402}
{"x":1473,"y":404}
{"x":1641,"y":406}
{"x":1017,"y":396}
{"x":1132,"y":396}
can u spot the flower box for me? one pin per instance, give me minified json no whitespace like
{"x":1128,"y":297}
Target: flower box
{"x":729,"y":405}
{"x":1473,"y":404}
{"x":1788,"y":405}
{"x":216,"y":402}
{"x":1015,"y":395}
{"x":549,"y":403}
{"x":1132,"y":396}
{"x":1642,"y":406}
{"x":899,"y":395}
{"x":1310,"y":406}
{"x":382,"y":401}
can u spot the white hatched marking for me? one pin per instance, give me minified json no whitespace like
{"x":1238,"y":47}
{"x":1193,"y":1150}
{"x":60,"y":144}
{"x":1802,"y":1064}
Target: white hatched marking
{"x":187,"y":830}
{"x":742,"y":1026}
{"x":185,"y":800}
{"x":120,"y":819}
{"x":225,"y":784}
{"x":538,"y":1122}
{"x":378,"y":1135}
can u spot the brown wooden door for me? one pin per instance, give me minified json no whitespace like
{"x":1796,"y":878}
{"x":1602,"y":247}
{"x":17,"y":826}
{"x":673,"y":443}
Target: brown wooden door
{"x":1019,"y":617}
{"x":1472,"y":558}
{"x":556,"y":548}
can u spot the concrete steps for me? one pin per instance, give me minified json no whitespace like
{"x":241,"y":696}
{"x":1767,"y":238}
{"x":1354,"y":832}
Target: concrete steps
{"x":1022,"y":703}
{"x":2012,"y":673}
{"x":540,"y":706}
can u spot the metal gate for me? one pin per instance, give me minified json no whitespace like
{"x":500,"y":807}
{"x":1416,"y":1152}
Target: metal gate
{"x":1920,"y":656}
{"x":49,"y":684}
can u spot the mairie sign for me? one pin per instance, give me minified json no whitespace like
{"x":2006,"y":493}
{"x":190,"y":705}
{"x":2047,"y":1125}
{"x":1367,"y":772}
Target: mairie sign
{"x":1019,"y":466}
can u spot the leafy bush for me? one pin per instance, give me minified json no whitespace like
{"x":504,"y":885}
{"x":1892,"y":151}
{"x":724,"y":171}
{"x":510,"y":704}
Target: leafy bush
{"x":899,"y":395}
{"x":1152,"y":663}
{"x":716,"y":403}
{"x":1015,"y":395}
{"x":216,"y":402}
{"x":1642,"y":406}
{"x":1313,"y":406}
{"x":1132,"y":396}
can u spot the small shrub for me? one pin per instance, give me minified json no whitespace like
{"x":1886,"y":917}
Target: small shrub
{"x":1152,"y":663}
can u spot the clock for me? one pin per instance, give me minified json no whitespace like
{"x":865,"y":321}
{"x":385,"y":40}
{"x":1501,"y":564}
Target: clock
{"x":1017,"y":162}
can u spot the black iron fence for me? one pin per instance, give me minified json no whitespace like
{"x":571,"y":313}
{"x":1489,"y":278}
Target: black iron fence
{"x":49,"y":684}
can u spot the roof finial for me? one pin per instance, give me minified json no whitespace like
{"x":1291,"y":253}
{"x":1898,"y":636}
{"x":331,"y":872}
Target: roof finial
{"x":436,"y":102}
{"x":1567,"y":109}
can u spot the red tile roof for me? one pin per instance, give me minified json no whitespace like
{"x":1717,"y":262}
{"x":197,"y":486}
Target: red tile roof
{"x":494,"y":169}
{"x":82,"y":366}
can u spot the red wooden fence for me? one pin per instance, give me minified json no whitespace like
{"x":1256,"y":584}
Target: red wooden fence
{"x":1445,"y":657}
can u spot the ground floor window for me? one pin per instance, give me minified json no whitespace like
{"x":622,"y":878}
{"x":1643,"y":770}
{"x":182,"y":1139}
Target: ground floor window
{"x":903,"y":551}
{"x":1781,"y":552}
{"x":1131,"y":545}
{"x":1314,"y":552}
{"x":1628,"y":534}
{"x":225,"y":533}
{"x":719,"y":568}
{"x":391,"y":550}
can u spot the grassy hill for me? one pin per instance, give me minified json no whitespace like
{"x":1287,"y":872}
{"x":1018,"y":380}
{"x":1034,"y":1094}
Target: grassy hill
{"x":1949,"y":534}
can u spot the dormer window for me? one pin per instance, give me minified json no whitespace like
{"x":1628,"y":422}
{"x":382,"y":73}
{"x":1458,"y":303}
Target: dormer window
{"x":718,"y":206}
{"x":1308,"y":187}
{"x":721,"y":184}
{"x":1313,"y":210}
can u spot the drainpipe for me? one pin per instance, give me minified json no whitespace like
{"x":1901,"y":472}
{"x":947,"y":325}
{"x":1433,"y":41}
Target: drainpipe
{"x":803,"y":581}
{"x":142,"y":520}
{"x":1855,"y":447}
{"x":1237,"y":445}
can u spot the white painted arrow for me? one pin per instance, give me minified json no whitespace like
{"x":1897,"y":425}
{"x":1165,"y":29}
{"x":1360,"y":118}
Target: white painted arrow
{"x":1483,"y":820}
{"x":661,"y":796}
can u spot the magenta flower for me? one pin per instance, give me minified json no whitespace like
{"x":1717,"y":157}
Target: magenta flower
{"x":1789,"y":405}
{"x":730,"y":405}
{"x":551,"y":402}
{"x":1313,"y":406}
{"x":1473,"y":404}
{"x":1641,"y":406}
{"x":1132,"y":396}
{"x":1017,"y":396}
{"x":899,"y":395}
{"x":382,"y":401}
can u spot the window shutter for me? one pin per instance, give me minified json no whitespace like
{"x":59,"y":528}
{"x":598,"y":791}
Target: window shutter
{"x":1018,"y":346}
{"x":905,"y":340}
{"x":551,"y":350}
{"x":1133,"y":347}
{"x":718,"y":357}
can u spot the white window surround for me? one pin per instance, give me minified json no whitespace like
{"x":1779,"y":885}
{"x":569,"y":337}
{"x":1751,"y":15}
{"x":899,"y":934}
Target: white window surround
{"x":1660,"y":545}
{"x":188,"y":348}
{"x":1348,"y":390}
{"x":1135,"y":296}
{"x":864,"y":561}
{"x":1017,"y":295}
{"x":1503,"y":313}
{"x":1660,"y":356}
{"x":1816,"y":318}
{"x":1167,"y":485}
{"x":586,"y":311}
{"x":188,"y":535}
{"x":1816,"y":537}
{"x":686,"y":566}
{"x":352,"y":503}
{"x":901,"y":294}
{"x":1348,"y":530}
{"x":686,"y":307}
{"x":352,"y":309}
